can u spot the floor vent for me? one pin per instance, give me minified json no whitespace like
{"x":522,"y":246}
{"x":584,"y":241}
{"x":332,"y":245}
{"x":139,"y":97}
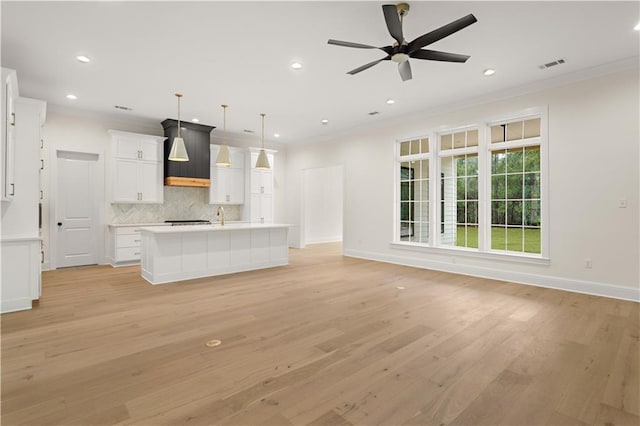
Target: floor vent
{"x":552,"y":64}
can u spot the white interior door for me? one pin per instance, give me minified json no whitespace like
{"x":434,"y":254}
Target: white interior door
{"x":76,"y":209}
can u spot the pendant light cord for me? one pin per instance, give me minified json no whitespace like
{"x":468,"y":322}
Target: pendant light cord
{"x":178,"y":95}
{"x":262,"y":115}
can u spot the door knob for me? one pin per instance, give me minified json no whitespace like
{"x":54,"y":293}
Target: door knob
{"x":59,"y":223}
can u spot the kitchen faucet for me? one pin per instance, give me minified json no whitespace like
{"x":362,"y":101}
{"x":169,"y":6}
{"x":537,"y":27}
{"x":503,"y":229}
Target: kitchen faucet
{"x":220,"y":215}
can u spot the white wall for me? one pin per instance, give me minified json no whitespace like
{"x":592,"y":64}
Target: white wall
{"x":73,"y":130}
{"x":593,"y":163}
{"x":323,"y":204}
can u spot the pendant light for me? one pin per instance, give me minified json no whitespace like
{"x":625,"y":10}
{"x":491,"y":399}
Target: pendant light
{"x":224,"y":158}
{"x":178,"y":150}
{"x":263,"y":161}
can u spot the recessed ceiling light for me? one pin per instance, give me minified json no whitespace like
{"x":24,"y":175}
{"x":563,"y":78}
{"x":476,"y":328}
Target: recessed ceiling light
{"x":83,"y":59}
{"x":195,"y":120}
{"x":324,"y":121}
{"x":72,"y":96}
{"x":296,"y":65}
{"x":489,"y":71}
{"x":276,"y":135}
{"x":390,"y":102}
{"x":637,"y":27}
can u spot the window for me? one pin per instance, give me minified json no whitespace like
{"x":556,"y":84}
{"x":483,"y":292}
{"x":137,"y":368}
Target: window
{"x":483,"y":192}
{"x":459,"y":188}
{"x":515,"y":186}
{"x":414,"y":190}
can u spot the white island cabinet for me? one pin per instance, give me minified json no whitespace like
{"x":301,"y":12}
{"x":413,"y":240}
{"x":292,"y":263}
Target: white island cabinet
{"x":185,"y":252}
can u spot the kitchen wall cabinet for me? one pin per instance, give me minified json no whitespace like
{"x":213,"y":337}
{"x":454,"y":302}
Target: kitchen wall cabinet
{"x":227,"y":182}
{"x":137,"y":168}
{"x":259,"y":204}
{"x":9,"y":95}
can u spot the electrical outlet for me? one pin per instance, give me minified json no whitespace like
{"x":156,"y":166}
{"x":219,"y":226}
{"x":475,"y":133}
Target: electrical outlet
{"x":588,"y":264}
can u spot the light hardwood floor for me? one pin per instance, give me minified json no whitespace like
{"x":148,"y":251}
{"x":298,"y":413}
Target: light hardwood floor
{"x":326,"y":340}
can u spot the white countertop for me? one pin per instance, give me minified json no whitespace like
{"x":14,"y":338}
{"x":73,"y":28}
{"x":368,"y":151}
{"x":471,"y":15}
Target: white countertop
{"x":210,"y":228}
{"x":136,"y":225}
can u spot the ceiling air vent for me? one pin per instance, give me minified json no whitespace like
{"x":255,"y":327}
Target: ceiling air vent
{"x":552,"y":64}
{"x":124,"y":108}
{"x":374,"y":113}
{"x":248,"y":131}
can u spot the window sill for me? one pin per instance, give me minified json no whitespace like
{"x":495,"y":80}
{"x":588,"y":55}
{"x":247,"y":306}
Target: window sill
{"x":446,"y":251}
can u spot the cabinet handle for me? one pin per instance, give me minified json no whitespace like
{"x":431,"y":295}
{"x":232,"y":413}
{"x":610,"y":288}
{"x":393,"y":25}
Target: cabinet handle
{"x":136,"y":241}
{"x":13,"y":118}
{"x":41,"y":143}
{"x":41,"y":257}
{"x":228,"y":197}
{"x":41,"y":194}
{"x":136,"y":254}
{"x":262,"y":189}
{"x":13,"y":189}
{"x":41,"y":164}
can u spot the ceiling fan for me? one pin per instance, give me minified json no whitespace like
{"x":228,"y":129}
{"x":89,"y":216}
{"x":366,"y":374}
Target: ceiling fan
{"x":402,"y":50}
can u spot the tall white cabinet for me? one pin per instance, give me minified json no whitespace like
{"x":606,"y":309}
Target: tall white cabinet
{"x":137,"y":168}
{"x":7,"y":164}
{"x":20,"y":236}
{"x":227,"y":182}
{"x":258,"y":206}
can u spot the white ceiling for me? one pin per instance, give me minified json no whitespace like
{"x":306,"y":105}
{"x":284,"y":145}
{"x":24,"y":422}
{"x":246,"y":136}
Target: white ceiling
{"x":239,"y":53}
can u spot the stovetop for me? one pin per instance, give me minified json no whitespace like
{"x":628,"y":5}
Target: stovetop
{"x":188,"y":222}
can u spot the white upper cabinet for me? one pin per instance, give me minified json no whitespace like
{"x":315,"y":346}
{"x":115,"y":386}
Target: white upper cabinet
{"x":9,"y":96}
{"x":259,"y":204}
{"x":137,"y":168}
{"x":227,"y":182}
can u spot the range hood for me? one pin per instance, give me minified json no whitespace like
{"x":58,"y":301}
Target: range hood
{"x":194,"y":172}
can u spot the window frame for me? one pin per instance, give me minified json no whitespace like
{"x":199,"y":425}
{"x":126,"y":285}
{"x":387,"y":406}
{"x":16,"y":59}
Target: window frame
{"x":484,"y":151}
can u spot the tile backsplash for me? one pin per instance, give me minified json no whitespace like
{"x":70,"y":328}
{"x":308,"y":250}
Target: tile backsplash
{"x":180,"y":203}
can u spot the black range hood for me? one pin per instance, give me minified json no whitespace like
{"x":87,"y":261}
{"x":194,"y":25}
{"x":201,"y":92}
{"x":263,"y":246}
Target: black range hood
{"x":194,"y":172}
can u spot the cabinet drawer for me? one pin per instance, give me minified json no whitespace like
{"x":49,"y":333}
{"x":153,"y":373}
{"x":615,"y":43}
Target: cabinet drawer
{"x":127,"y":253}
{"x":128,"y":240}
{"x":129,"y":230}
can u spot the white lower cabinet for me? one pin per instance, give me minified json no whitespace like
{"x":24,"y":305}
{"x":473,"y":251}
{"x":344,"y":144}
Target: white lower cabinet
{"x":21,"y":281}
{"x":125,"y":245}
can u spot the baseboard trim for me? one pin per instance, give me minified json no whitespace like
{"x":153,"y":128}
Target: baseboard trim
{"x":557,"y":283}
{"x":336,"y":239}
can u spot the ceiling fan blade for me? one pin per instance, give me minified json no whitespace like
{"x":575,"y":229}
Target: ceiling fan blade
{"x":393,"y":22}
{"x":442,"y":32}
{"x":367,"y":66}
{"x":387,"y":49}
{"x":350,"y":44}
{"x":405,"y":70}
{"x":434,"y":55}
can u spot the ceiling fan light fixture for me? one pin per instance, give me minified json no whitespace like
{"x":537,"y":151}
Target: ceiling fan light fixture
{"x":178,"y":149}
{"x":489,"y":71}
{"x":263,"y":161}
{"x":224,"y":157}
{"x":399,"y":58}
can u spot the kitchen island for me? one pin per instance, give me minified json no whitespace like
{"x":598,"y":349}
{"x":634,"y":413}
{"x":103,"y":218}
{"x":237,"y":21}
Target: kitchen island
{"x":176,"y":253}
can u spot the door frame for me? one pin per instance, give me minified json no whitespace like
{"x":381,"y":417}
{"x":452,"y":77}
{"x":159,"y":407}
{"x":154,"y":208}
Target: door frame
{"x":98,"y":204}
{"x":303,"y":208}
